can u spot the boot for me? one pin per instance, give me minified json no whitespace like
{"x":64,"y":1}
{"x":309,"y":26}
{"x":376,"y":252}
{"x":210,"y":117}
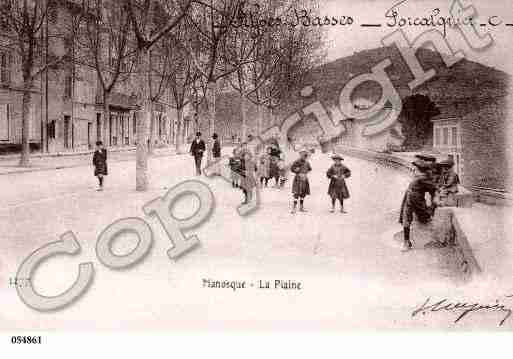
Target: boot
{"x":407,"y":242}
{"x":302,"y":208}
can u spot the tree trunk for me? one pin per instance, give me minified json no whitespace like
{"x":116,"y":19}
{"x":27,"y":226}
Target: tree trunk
{"x":211,"y":98}
{"x":25,"y":127}
{"x":244,"y":115}
{"x":141,"y":168}
{"x":151,"y":144}
{"x":260,"y":119}
{"x":178,"y":130}
{"x":104,"y":122}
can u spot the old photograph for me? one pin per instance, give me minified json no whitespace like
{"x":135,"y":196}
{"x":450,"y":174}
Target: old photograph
{"x":242,"y":165}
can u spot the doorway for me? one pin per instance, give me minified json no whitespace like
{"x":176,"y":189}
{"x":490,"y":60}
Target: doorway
{"x":67,"y":121}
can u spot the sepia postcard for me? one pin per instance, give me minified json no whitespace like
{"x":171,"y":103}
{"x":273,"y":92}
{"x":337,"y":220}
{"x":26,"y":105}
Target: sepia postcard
{"x":255,"y":165}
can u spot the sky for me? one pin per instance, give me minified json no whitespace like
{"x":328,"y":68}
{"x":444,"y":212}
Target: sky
{"x":344,"y":40}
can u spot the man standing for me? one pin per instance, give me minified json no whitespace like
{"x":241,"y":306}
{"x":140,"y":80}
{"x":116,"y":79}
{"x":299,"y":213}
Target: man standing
{"x":197,"y":150}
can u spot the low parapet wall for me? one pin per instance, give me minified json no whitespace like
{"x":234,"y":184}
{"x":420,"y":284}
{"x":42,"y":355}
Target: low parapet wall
{"x":464,"y":197}
{"x":445,"y":229}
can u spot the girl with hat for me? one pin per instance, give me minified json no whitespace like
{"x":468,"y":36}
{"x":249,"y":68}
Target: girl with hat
{"x":300,"y":185}
{"x":414,"y":200}
{"x":337,"y":189}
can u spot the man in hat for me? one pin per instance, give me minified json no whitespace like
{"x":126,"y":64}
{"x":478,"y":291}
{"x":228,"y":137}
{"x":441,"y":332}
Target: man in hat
{"x":197,"y":149}
{"x":337,"y":189}
{"x":448,"y":183}
{"x":414,"y":200}
{"x":300,"y":186}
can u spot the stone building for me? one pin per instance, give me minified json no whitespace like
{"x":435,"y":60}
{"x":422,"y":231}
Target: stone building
{"x":67,"y":103}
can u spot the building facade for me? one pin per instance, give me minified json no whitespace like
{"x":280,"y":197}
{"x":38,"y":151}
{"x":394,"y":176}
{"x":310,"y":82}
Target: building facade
{"x":67,"y":109}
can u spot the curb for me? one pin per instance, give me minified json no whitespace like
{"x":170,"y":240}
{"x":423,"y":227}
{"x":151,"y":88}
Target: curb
{"x":53,"y":168}
{"x":63,"y":154}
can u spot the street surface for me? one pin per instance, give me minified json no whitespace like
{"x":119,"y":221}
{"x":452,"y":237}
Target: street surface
{"x":352,"y":271}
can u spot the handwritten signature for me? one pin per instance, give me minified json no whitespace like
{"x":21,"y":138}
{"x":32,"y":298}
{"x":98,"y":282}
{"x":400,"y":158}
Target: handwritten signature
{"x":464,"y":307}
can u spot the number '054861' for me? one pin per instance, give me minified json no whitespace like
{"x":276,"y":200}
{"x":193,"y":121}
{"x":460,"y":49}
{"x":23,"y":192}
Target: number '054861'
{"x":26,"y":339}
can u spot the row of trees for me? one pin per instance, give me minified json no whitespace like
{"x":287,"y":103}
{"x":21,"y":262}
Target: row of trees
{"x":186,"y":49}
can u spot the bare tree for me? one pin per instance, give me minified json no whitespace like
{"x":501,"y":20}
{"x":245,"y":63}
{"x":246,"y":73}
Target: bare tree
{"x":211,"y":22}
{"x":151,"y":20}
{"x":24,"y":22}
{"x":186,"y":86}
{"x":106,"y":44}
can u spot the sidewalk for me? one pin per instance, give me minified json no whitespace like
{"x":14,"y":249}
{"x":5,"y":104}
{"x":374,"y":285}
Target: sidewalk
{"x":55,"y":161}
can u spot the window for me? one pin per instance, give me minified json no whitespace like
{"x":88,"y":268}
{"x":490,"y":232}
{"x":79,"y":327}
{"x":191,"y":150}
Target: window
{"x":4,"y":122}
{"x":454,"y":135}
{"x":68,"y":85}
{"x":437,"y":136}
{"x":446,"y":136}
{"x":5,"y":67}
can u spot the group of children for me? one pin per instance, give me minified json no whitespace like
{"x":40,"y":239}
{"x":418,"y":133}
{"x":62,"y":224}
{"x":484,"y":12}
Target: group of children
{"x":439,"y":180}
{"x":248,"y":172}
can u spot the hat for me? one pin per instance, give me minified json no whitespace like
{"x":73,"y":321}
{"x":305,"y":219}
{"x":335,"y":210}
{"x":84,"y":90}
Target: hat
{"x":336,"y":156}
{"x":427,"y":158}
{"x":422,"y":165}
{"x":303,"y":150}
{"x":447,"y":163}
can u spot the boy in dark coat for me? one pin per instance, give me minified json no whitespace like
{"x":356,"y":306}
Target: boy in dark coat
{"x":414,"y":200}
{"x":337,"y":189}
{"x":300,"y":185}
{"x":100,"y":163}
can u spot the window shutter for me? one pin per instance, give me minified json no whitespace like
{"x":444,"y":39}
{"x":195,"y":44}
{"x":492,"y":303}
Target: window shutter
{"x":8,"y":67}
{"x":4,"y":122}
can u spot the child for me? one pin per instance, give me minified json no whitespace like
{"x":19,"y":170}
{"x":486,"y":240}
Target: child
{"x":100,"y":163}
{"x":264,"y":167}
{"x":282,"y":171}
{"x":300,"y":186}
{"x":248,"y":176}
{"x":448,"y":184}
{"x":337,"y":189}
{"x":235,"y":167}
{"x":414,"y":200}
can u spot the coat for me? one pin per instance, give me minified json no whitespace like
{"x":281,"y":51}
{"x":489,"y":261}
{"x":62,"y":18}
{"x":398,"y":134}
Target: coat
{"x":337,"y":175}
{"x":264,"y":166}
{"x":300,"y":185}
{"x":100,"y":162}
{"x":216,"y":149}
{"x":197,"y":148}
{"x":414,"y":201}
{"x":248,"y":174}
{"x":235,"y":164}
